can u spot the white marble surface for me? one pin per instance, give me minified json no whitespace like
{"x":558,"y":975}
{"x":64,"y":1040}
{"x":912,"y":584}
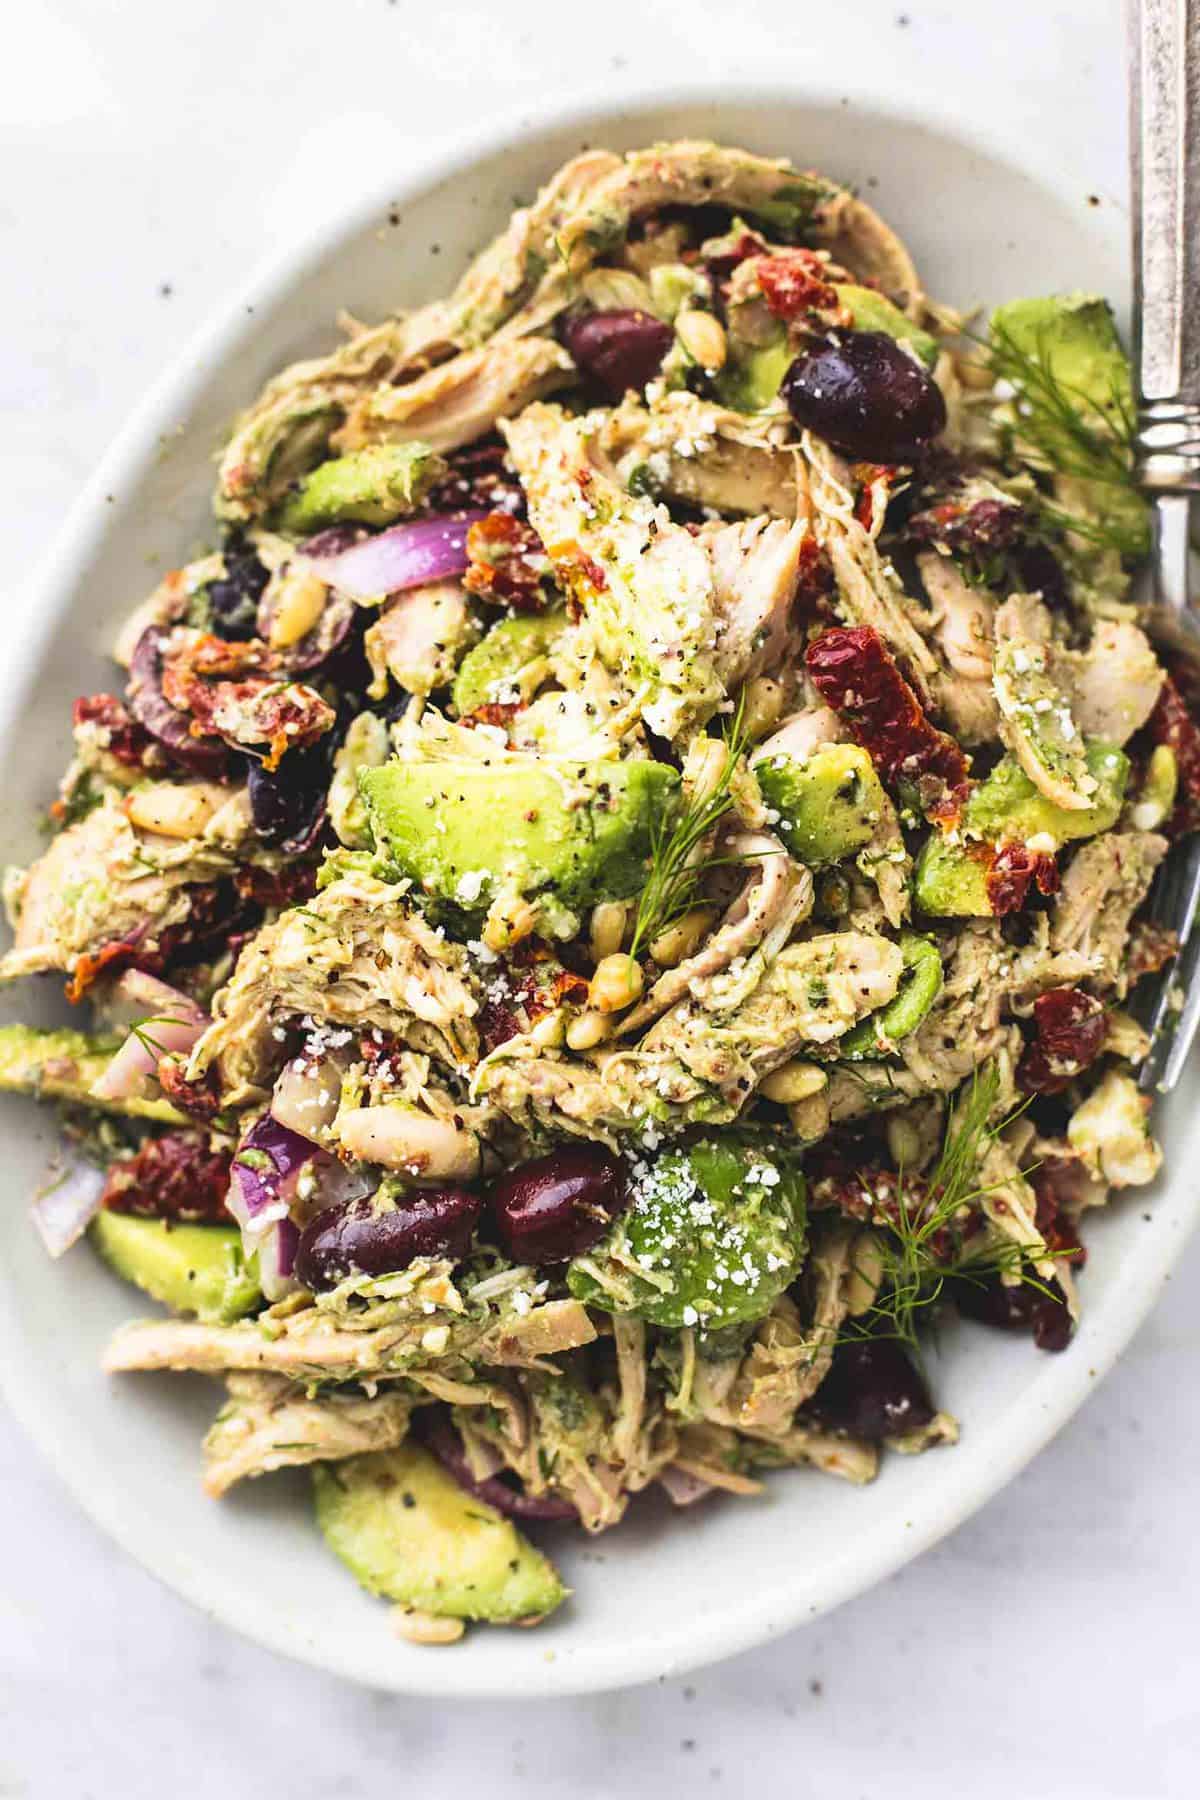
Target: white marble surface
{"x":1049,"y":1649}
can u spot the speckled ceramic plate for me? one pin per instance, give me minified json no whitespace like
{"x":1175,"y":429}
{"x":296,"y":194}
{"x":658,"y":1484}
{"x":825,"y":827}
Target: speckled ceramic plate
{"x":665,"y":1591}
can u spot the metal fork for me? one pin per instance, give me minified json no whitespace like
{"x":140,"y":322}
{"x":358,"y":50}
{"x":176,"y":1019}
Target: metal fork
{"x":1164,"y":81}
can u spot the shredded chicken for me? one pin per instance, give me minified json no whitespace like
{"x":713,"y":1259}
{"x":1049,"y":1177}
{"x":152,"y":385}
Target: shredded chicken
{"x":270,"y":1423}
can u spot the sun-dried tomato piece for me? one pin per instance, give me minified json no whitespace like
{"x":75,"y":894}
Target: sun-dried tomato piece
{"x":276,"y":888}
{"x":978,"y":528}
{"x":478,"y":477}
{"x":1069,"y":1031}
{"x":1012,"y":869}
{"x":507,"y":563}
{"x":721,"y":264}
{"x":125,"y":739}
{"x":795,"y":282}
{"x":199,"y":1099}
{"x":216,"y":911}
{"x":522,"y":990}
{"x":176,"y":1176}
{"x":1171,"y":723}
{"x":283,"y":715}
{"x":1056,"y":1181}
{"x":493,"y":712}
{"x":856,"y":674}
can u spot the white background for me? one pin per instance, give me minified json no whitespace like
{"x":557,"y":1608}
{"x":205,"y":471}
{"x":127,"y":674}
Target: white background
{"x":149,"y":153}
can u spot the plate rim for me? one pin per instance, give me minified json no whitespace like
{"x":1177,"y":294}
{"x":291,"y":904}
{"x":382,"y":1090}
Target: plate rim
{"x":1052,"y":1396}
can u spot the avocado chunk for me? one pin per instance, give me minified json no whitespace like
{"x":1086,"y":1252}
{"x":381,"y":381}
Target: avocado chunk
{"x":872,"y":311}
{"x":496,"y":663}
{"x":191,"y":1268}
{"x":712,"y":1235}
{"x":1008,"y":806}
{"x":408,"y":1532}
{"x":920,"y":985}
{"x":368,"y":487}
{"x":1080,"y":374}
{"x":950,"y":880}
{"x":828,"y":806}
{"x":751,"y":378}
{"x":518,"y":824}
{"x":62,"y":1065}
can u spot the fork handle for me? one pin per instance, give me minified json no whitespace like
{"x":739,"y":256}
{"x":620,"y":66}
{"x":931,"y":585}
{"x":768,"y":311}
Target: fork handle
{"x":1164,"y":54}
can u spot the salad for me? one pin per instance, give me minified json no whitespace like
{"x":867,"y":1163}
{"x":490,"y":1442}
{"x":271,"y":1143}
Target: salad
{"x":606,"y":903}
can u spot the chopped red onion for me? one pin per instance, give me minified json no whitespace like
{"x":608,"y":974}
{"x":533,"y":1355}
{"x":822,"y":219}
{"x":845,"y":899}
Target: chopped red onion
{"x":684,"y":1487}
{"x":265,"y":1158}
{"x":165,"y":1023}
{"x":447,"y":1446}
{"x":66,"y":1206}
{"x":406,"y":556}
{"x":276,"y":1250}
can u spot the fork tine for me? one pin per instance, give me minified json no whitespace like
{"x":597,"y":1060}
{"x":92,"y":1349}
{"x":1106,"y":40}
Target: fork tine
{"x":1177,"y":897}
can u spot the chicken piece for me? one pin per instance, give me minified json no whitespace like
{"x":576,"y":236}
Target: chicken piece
{"x":961,"y":624}
{"x":644,"y":583}
{"x":420,"y":637}
{"x":856,"y":236}
{"x":868,"y":589}
{"x":460,"y":400}
{"x":103,"y":882}
{"x":1108,"y":878}
{"x":777,"y":896}
{"x":1114,"y":684}
{"x":363,"y":1330}
{"x":690,"y":449}
{"x":1036,"y":721}
{"x":756,"y":568}
{"x":270,"y":1423}
{"x":352,"y":956}
{"x":750,"y":1023}
{"x":1109,"y":1132}
{"x":803,"y":732}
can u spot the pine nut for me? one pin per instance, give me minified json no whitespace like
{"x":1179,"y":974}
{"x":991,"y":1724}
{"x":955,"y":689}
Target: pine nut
{"x":608,"y":928}
{"x":795,"y":1081}
{"x":424,"y":1628}
{"x":588,"y":1030}
{"x":810,"y":1118}
{"x":762,"y":706}
{"x":174,"y":809}
{"x":680,"y":939}
{"x":616,"y":984}
{"x":866,"y":1273}
{"x":296,"y":604}
{"x":703,"y":337}
{"x":510,"y":918}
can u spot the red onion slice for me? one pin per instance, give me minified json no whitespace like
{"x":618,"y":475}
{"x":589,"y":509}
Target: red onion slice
{"x":684,"y":1487}
{"x":446,"y":1445}
{"x":66,"y":1206}
{"x":406,"y":556}
{"x":276,"y":1250}
{"x":265,"y":1158}
{"x":164,"y":1023}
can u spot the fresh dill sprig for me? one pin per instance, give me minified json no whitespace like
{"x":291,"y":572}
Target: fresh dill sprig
{"x":1074,"y":435}
{"x":678,"y":864}
{"x":923,"y":1245}
{"x":146,"y":1038}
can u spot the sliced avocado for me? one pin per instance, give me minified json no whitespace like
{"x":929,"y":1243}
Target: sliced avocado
{"x":62,"y":1065}
{"x":872,"y":311}
{"x":712,"y":1235}
{"x":1007,"y":805}
{"x":368,"y":487}
{"x":497,"y":661}
{"x":950,"y":880}
{"x":191,"y":1268}
{"x":920,"y":986}
{"x":828,"y":806}
{"x":465,"y":831}
{"x":1072,"y":340}
{"x":408,"y":1532}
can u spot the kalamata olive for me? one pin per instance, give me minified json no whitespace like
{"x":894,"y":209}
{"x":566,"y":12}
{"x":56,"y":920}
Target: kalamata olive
{"x":864,"y":394}
{"x":287,"y":804}
{"x":233,"y":598}
{"x":621,"y":349}
{"x":556,"y":1207}
{"x":362,"y":1237}
{"x":1041,"y":1310}
{"x":873,"y":1391}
